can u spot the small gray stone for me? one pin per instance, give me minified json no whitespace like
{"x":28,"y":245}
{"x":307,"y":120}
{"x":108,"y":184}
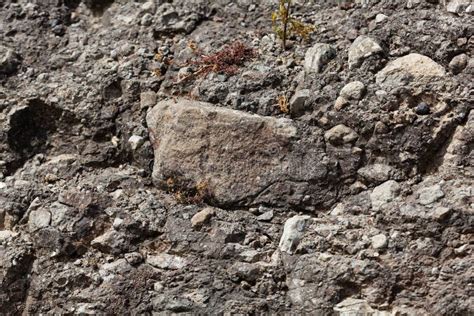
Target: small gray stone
{"x":441,"y":212}
{"x":379,"y":241}
{"x":380,"y":18}
{"x":412,"y":3}
{"x":458,"y":63}
{"x":412,"y":68}
{"x":265,"y":217}
{"x":6,"y":234}
{"x":381,"y":95}
{"x":429,"y":195}
{"x":318,"y":56}
{"x":166,"y":261}
{"x":136,"y":141}
{"x":353,"y":91}
{"x":111,"y":242}
{"x":39,"y":219}
{"x":340,"y":134}
{"x":9,"y":60}
{"x":147,"y":99}
{"x":339,"y":209}
{"x":292,"y":233}
{"x":147,"y":19}
{"x":376,"y":173}
{"x":458,"y":6}
{"x":251,"y":255}
{"x":352,"y":306}
{"x":384,"y":194}
{"x":134,"y":258}
{"x":340,"y":103}
{"x":158,"y":287}
{"x":361,"y":48}
{"x":202,"y":217}
{"x":297,"y":102}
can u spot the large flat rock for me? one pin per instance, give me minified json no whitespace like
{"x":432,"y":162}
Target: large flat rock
{"x":239,"y":157}
{"x":410,"y":69}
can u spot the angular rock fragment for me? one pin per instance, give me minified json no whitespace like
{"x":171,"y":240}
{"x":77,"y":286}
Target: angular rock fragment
{"x":292,"y":233}
{"x":340,"y":134}
{"x":458,"y":63}
{"x":317,"y":57}
{"x":39,"y":219}
{"x":233,"y":156}
{"x":363,"y":47}
{"x":147,"y":99}
{"x":9,"y":60}
{"x":353,"y":306}
{"x":202,"y":217}
{"x":458,"y":6}
{"x":384,"y":194}
{"x":353,"y":91}
{"x":379,"y":241}
{"x":375,"y":173}
{"x":166,"y":261}
{"x":110,"y":242}
{"x":297,"y":102}
{"x":429,"y":195}
{"x":136,"y":141}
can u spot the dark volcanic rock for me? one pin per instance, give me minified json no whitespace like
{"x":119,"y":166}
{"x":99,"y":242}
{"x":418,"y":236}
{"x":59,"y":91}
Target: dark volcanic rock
{"x":331,"y":178}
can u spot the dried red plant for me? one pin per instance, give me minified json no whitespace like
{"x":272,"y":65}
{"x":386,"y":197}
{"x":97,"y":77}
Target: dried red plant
{"x":227,"y":60}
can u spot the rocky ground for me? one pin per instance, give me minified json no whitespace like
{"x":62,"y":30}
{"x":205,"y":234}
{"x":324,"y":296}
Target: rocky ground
{"x":335,"y":177}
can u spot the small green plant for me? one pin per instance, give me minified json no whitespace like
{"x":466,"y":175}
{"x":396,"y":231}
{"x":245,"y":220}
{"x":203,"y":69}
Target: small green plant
{"x":285,"y":25}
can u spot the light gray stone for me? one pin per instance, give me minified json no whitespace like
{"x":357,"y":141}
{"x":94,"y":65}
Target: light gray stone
{"x":375,"y":173}
{"x":6,"y":234}
{"x":340,"y":134}
{"x":318,"y":56}
{"x":265,"y":217}
{"x":111,"y":241}
{"x":379,"y":18}
{"x":147,"y":99}
{"x":352,"y":306}
{"x":362,"y":47}
{"x":166,"y":261}
{"x":429,"y":195}
{"x":292,"y":232}
{"x":384,"y":193}
{"x":136,"y":141}
{"x":39,"y":219}
{"x":379,"y":241}
{"x":202,"y":216}
{"x":353,"y":91}
{"x":440,"y":213}
{"x":158,"y":287}
{"x":412,"y":68}
{"x":458,"y":6}
{"x":340,"y":103}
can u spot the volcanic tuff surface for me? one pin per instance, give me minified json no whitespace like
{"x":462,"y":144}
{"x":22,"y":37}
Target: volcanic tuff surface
{"x":332,"y":178}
